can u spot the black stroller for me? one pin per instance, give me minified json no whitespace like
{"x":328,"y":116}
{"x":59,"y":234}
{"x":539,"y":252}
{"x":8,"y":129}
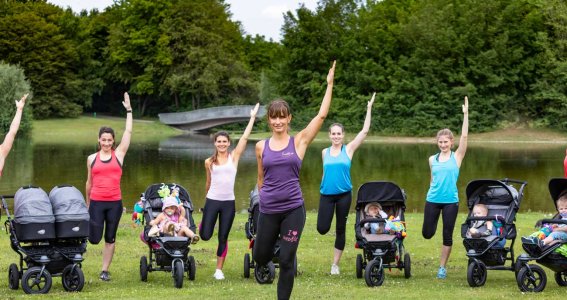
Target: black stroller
{"x":167,"y":253}
{"x":382,"y":250}
{"x":267,"y":273}
{"x":532,"y":278}
{"x":502,"y":200}
{"x":50,"y":236}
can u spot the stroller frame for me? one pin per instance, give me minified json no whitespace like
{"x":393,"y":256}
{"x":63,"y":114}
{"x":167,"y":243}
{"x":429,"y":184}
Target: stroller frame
{"x":43,"y":260}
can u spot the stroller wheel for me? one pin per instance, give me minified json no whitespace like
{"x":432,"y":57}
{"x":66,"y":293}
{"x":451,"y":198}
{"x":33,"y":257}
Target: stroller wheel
{"x":407,"y":265}
{"x":178,"y":274}
{"x":73,"y":278}
{"x":144,"y":269}
{"x":13,"y":277}
{"x":34,"y":281}
{"x":359,"y":266}
{"x":247,"y":265}
{"x":374,"y":273}
{"x":191,"y":268}
{"x":531,"y":278}
{"x":476,"y":274}
{"x":265,"y":274}
{"x":561,"y":278}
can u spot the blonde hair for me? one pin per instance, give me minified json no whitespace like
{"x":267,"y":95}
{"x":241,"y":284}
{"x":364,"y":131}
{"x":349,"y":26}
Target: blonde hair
{"x":481,"y":206}
{"x":562,"y":198}
{"x":446,"y":132}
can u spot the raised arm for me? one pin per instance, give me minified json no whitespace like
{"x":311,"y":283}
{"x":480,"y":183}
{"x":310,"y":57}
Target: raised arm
{"x":239,"y":149}
{"x":126,"y":136}
{"x":11,"y":135}
{"x":460,"y":153}
{"x":306,"y":136}
{"x":354,"y":144}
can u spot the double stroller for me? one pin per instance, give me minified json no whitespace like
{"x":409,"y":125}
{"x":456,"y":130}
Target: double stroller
{"x":381,"y":250}
{"x":532,"y":278}
{"x":502,"y":200}
{"x":167,"y":253}
{"x":49,"y":233}
{"x":267,"y":273}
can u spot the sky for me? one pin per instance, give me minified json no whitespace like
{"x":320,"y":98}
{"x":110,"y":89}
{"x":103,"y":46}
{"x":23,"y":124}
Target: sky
{"x":264,"y":17}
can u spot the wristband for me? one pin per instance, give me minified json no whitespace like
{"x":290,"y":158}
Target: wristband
{"x":129,"y":111}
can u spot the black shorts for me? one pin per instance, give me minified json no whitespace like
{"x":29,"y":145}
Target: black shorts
{"x":104,"y":213}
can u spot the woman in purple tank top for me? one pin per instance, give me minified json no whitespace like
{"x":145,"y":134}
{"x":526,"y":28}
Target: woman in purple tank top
{"x":281,"y":203}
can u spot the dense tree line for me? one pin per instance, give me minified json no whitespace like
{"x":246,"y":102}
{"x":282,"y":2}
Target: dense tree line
{"x":421,"y":56}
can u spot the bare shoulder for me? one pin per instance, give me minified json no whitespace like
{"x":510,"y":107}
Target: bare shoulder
{"x":91,"y":158}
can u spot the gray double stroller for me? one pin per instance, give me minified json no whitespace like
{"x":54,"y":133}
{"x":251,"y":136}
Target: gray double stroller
{"x":49,"y":233}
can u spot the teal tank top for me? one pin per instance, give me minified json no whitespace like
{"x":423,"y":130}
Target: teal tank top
{"x":336,"y":173}
{"x":443,"y":188}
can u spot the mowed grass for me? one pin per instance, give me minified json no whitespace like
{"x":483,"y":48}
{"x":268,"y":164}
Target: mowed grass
{"x":314,"y":282}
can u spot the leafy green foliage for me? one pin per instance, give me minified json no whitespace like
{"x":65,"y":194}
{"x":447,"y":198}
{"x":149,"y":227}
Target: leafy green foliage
{"x":13,"y":85}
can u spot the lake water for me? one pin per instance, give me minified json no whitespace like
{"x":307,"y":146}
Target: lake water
{"x":181,"y":160}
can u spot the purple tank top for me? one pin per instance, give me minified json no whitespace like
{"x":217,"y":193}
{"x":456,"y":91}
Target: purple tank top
{"x":280,"y":190}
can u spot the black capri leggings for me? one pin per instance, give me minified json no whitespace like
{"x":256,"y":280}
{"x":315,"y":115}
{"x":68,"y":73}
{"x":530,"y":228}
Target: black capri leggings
{"x":288,"y":225}
{"x":327,"y":204}
{"x":431,"y":217}
{"x":225,"y":212}
{"x":101,"y":213}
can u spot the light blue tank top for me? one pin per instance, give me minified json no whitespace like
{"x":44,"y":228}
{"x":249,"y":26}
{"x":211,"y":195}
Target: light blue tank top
{"x":336,"y":173}
{"x":443,"y":188}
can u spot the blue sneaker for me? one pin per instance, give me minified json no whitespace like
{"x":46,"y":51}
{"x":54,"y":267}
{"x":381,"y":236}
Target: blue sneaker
{"x":442,"y":273}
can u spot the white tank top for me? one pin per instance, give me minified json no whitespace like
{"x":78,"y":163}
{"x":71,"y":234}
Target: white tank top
{"x":222,"y":181}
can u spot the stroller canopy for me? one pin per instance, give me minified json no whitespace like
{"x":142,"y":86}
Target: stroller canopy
{"x":254,"y":197}
{"x":490,"y":191}
{"x":380,"y":191}
{"x":31,"y":205}
{"x":68,"y":204}
{"x":556,"y":187}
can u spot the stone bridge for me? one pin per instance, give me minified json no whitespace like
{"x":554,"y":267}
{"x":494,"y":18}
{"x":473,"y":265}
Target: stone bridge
{"x":203,"y":119}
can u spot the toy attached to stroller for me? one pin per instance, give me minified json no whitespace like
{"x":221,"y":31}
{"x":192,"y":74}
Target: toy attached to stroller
{"x":267,"y":273}
{"x":532,"y":278}
{"x":50,"y":236}
{"x":500,"y":201}
{"x":167,"y":253}
{"x":385,"y":248}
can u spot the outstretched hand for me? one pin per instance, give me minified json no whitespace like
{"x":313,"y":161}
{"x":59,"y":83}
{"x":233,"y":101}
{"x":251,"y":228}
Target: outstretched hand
{"x":371,"y":100}
{"x":466,"y":106}
{"x":20,"y":104}
{"x":254,"y":111}
{"x":331,"y":75}
{"x":126,"y":101}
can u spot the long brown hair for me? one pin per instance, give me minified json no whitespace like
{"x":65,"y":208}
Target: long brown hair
{"x":214,"y":158}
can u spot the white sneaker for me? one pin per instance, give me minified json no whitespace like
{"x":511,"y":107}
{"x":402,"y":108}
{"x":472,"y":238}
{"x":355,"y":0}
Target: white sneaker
{"x":218,"y":275}
{"x":335,"y":270}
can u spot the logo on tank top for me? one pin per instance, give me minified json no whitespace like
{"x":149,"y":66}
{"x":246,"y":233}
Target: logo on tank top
{"x":291,"y":236}
{"x":286,"y":154}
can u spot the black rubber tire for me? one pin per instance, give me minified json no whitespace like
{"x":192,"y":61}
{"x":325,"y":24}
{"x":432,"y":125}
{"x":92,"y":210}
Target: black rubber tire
{"x":247,"y":265}
{"x":265,"y":274}
{"x":359,"y":266}
{"x":13,"y":277}
{"x":407,"y":265}
{"x":178,"y":274}
{"x":191,"y":268}
{"x":36,"y":282}
{"x":374,"y":273}
{"x":533,"y":281}
{"x":476,"y":274}
{"x":561,"y":278}
{"x":143,"y":269}
{"x":72,"y":278}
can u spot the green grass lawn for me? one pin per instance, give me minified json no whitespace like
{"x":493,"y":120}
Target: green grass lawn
{"x":314,"y":258}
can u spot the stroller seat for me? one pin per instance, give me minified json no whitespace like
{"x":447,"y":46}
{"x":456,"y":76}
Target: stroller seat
{"x":377,"y":237}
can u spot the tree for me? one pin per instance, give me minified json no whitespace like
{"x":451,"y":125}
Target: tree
{"x":13,"y":85}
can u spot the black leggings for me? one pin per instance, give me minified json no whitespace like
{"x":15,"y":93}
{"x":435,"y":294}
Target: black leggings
{"x":431,"y":216}
{"x":288,"y":225}
{"x":327,"y":204}
{"x":225,"y":211}
{"x":101,"y":213}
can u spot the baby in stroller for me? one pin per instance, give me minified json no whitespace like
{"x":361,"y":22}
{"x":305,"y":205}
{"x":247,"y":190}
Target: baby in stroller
{"x":379,"y":236}
{"x":171,"y":222}
{"x":493,"y":205}
{"x":168,"y":253}
{"x":552,"y":253}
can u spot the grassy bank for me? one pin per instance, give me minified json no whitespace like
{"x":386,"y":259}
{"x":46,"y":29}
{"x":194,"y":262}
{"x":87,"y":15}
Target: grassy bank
{"x":314,"y":282}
